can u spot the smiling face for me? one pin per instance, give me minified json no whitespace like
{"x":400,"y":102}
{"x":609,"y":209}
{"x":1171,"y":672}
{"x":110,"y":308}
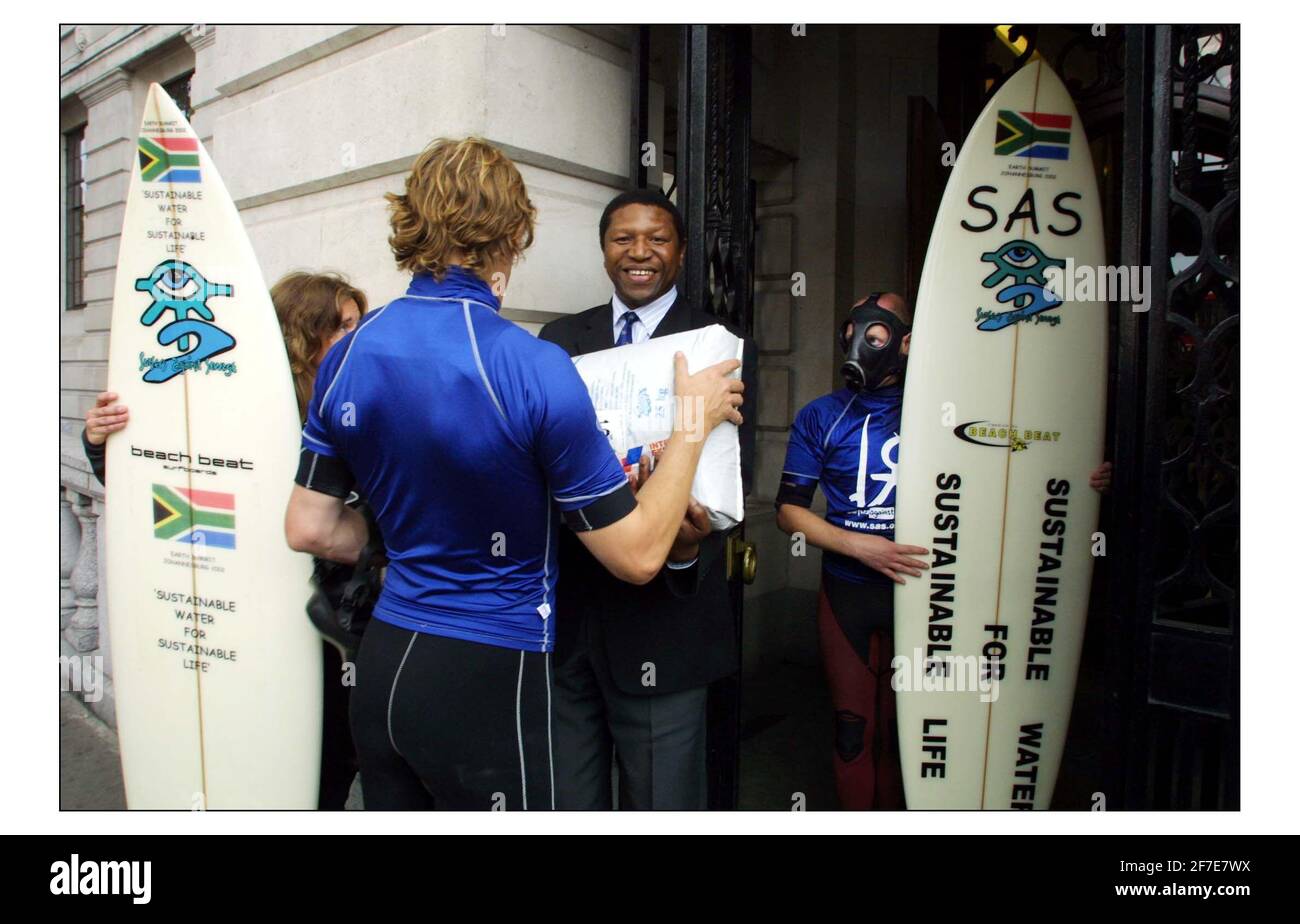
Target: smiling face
{"x":643,"y":254}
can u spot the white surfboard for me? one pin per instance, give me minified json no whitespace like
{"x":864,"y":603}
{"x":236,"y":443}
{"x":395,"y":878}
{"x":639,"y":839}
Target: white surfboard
{"x":217,"y":668}
{"x":1003,"y":421}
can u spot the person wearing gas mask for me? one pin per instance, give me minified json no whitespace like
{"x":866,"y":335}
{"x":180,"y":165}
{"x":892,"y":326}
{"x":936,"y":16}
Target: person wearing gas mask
{"x":847,"y":441}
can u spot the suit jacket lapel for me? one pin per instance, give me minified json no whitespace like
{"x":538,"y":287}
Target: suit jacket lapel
{"x":599,"y":334}
{"x":676,"y":320}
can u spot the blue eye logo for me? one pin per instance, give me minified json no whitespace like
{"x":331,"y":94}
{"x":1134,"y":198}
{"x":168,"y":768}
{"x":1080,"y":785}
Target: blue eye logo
{"x":1024,"y":265}
{"x":1018,"y":255}
{"x":178,"y":287}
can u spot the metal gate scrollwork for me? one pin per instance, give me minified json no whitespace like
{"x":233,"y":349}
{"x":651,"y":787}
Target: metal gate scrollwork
{"x":1176,"y":601}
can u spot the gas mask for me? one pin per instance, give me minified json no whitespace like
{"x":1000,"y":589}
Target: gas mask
{"x":865,"y":365}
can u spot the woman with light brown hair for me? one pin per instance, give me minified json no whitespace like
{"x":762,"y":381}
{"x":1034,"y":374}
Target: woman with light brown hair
{"x":315,"y":310}
{"x":472,"y":440}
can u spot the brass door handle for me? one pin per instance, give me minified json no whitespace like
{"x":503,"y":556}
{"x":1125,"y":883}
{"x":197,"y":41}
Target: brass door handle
{"x":742,"y":559}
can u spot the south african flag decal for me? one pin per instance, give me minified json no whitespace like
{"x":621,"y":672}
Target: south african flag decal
{"x":171,"y":159}
{"x":194,"y":517}
{"x":1033,"y":134}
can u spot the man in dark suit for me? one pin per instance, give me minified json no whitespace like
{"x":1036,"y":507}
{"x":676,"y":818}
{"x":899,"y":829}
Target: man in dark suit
{"x":633,"y":663}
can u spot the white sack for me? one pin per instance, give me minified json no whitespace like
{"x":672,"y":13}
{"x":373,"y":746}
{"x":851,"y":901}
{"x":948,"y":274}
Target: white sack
{"x":631,"y":388}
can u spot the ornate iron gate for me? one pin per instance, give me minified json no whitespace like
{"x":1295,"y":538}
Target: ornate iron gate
{"x":713,"y":186}
{"x":716,"y":197}
{"x":1173,"y":647}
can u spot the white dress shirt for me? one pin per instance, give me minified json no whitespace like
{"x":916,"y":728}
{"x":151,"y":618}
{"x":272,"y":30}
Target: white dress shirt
{"x":649,"y":315}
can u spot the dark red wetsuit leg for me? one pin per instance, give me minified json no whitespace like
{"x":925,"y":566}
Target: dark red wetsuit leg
{"x":865,"y":753}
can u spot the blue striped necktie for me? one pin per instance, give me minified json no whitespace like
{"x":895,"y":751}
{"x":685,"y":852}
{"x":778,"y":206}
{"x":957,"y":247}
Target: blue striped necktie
{"x":625,"y":335}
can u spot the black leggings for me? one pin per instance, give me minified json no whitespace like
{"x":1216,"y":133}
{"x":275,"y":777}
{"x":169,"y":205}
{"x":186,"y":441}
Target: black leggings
{"x":338,"y":758}
{"x":449,"y":724}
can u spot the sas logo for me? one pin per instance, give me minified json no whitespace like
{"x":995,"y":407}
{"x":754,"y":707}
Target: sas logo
{"x":178,"y":287}
{"x":169,"y":159}
{"x":983,"y":433}
{"x":1025,"y":266}
{"x":1032,"y":134}
{"x":194,"y":517}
